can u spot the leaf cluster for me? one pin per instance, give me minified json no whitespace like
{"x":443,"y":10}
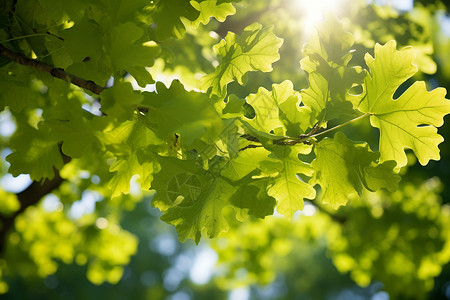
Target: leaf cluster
{"x":214,"y":158}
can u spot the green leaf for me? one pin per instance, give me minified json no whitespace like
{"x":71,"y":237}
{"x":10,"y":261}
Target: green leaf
{"x":75,"y":127}
{"x":266,"y":111}
{"x":252,"y":198}
{"x":77,"y":135}
{"x":247,"y":161}
{"x":59,"y":10}
{"x":211,"y":8}
{"x":279,"y":109}
{"x":127,"y":50}
{"x":130,"y":143}
{"x":233,"y":108}
{"x":174,"y":110}
{"x":83,"y":40}
{"x":127,"y":137}
{"x":125,"y":167}
{"x":142,"y":76}
{"x":229,"y":136}
{"x":16,"y":95}
{"x":35,"y":152}
{"x":88,"y":70}
{"x":255,"y":50}
{"x":167,"y":17}
{"x":288,"y":189}
{"x":343,"y":167}
{"x":329,"y":97}
{"x":4,"y":20}
{"x":120,"y":101}
{"x":316,"y":96}
{"x":328,"y":53}
{"x":328,"y":47}
{"x":203,"y":212}
{"x":297,"y":119}
{"x":409,"y":121}
{"x":190,"y":199}
{"x":176,"y":177}
{"x":266,"y":139}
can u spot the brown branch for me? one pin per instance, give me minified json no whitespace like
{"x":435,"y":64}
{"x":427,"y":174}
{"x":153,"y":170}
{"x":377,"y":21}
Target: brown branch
{"x":55,"y":72}
{"x":249,"y":146}
{"x":250,"y":138}
{"x":28,"y":197}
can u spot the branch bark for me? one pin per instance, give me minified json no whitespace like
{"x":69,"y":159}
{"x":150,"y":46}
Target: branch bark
{"x":55,"y":72}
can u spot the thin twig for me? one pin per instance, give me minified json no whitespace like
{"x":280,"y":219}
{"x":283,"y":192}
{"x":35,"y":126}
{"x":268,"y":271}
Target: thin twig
{"x":23,"y":37}
{"x":305,"y":138}
{"x":249,"y":146}
{"x":341,"y":125}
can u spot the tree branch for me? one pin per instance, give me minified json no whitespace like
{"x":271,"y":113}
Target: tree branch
{"x":55,"y":72}
{"x":306,"y":138}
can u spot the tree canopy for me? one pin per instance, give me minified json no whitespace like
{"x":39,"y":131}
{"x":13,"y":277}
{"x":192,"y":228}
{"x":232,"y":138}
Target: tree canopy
{"x":287,"y":144}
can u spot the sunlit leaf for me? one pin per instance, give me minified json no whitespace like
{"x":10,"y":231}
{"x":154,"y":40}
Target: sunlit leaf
{"x":288,"y":189}
{"x":35,"y":152}
{"x":175,"y":110}
{"x":203,"y":212}
{"x":212,"y":9}
{"x":343,"y":167}
{"x":409,"y":121}
{"x":255,"y":50}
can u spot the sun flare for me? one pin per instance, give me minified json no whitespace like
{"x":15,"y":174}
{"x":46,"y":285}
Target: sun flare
{"x":315,"y":11}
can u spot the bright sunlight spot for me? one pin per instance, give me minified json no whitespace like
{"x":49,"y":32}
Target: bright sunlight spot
{"x":316,"y":10}
{"x":241,"y":293}
{"x":203,"y":267}
{"x":15,"y":184}
{"x":403,"y":5}
{"x":86,"y":205}
{"x":101,"y":223}
{"x":51,"y":203}
{"x":309,"y":210}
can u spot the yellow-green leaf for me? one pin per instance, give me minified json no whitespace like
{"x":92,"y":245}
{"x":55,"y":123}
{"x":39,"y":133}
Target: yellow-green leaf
{"x":343,"y":167}
{"x":288,"y":189}
{"x":255,"y":50}
{"x":409,"y":121}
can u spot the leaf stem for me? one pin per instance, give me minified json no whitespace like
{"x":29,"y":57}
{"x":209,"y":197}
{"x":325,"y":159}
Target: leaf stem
{"x":340,"y":125}
{"x":304,"y":138}
{"x":23,"y":37}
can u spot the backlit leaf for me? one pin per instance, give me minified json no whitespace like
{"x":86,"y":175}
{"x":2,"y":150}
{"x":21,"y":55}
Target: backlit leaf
{"x":35,"y":152}
{"x":247,"y":161}
{"x":202,"y":212}
{"x":211,"y":8}
{"x":409,"y":121}
{"x":288,"y":189}
{"x":255,"y":50}
{"x":327,"y":55}
{"x":168,"y":16}
{"x":175,"y":110}
{"x":279,"y":109}
{"x":343,"y":167}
